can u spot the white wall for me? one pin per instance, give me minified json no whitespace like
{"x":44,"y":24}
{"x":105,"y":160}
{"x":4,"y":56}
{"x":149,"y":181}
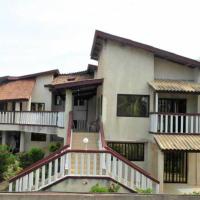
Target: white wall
{"x":125,"y":71}
{"x":165,"y":69}
{"x":40,"y":93}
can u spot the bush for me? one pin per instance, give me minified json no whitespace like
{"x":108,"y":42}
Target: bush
{"x":98,"y":189}
{"x":54,"y":147}
{"x":28,"y":158}
{"x":6,"y":159}
{"x":36,"y":154}
{"x":146,"y":191}
{"x":12,"y":170}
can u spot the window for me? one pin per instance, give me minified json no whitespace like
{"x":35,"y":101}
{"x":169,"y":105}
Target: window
{"x":175,"y":167}
{"x":132,"y":105}
{"x":132,"y":151}
{"x":37,"y":106}
{"x":38,"y":137}
{"x":58,"y":100}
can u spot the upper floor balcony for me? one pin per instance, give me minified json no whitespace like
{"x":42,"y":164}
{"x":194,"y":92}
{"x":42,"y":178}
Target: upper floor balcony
{"x":27,"y":118}
{"x":175,"y":123}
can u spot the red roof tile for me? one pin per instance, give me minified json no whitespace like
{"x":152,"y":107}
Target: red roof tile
{"x":17,"y":90}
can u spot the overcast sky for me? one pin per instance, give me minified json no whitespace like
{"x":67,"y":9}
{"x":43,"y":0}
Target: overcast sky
{"x":39,"y":35}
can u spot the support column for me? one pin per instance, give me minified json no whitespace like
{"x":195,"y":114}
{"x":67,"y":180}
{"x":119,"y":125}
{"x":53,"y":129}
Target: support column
{"x":156,"y":102}
{"x":68,"y":108}
{"x":17,"y":106}
{"x":22,"y":142}
{"x":160,"y":175}
{"x":3,"y":134}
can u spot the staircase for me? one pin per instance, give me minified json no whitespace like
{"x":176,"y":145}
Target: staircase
{"x":77,"y":140}
{"x":73,"y":160}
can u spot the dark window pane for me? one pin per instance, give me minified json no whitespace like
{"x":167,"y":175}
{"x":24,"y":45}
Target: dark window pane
{"x":38,"y":137}
{"x":132,"y":151}
{"x":132,"y":105}
{"x":175,"y":167}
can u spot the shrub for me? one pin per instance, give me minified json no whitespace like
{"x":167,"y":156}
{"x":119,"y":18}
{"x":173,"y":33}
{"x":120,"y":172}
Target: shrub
{"x":54,"y":147}
{"x":6,"y":159}
{"x":98,"y":189}
{"x":35,"y":154}
{"x":28,"y":158}
{"x":12,"y":170}
{"x":113,"y":187}
{"x":146,"y":191}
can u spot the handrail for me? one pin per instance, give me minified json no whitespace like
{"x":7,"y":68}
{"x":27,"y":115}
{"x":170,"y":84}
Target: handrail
{"x":50,"y":157}
{"x":114,"y":153}
{"x":169,"y":113}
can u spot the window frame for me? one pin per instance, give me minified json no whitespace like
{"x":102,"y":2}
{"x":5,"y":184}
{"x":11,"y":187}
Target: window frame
{"x":134,"y":159}
{"x":137,"y":95}
{"x":172,"y":177}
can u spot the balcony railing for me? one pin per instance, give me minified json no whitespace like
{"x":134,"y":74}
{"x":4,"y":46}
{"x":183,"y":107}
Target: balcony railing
{"x":177,"y":123}
{"x":44,"y":118}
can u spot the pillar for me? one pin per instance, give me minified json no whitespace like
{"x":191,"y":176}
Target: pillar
{"x":156,"y":102}
{"x":17,"y":106}
{"x":3,"y":134}
{"x":22,"y":142}
{"x":160,"y":169}
{"x":68,"y":108}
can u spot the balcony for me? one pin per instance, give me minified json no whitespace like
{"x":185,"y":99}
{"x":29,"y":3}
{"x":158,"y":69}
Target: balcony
{"x":175,"y":123}
{"x":45,"y":118}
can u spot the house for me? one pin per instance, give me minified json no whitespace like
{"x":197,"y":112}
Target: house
{"x":138,"y":108}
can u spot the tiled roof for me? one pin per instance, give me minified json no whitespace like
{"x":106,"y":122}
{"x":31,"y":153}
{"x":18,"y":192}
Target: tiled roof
{"x":70,"y":78}
{"x":15,"y":90}
{"x":178,"y":142}
{"x":175,"y":86}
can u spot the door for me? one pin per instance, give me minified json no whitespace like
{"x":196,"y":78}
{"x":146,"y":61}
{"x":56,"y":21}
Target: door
{"x":80,"y":109}
{"x":173,"y":106}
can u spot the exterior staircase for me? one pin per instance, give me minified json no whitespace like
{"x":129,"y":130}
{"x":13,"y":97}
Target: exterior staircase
{"x":74,"y":160}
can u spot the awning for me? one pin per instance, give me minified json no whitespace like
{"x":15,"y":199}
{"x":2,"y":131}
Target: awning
{"x":17,"y":90}
{"x":178,"y":142}
{"x":175,"y":86}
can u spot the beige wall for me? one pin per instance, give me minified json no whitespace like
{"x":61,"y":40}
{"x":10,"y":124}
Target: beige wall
{"x":40,"y":93}
{"x":123,"y":73}
{"x":165,"y":69}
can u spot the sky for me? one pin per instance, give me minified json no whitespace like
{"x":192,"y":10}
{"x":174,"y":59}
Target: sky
{"x":40,"y":35}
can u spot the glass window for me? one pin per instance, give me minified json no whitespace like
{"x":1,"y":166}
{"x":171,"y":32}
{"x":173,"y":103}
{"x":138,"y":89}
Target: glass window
{"x":37,"y":106}
{"x":38,"y":137}
{"x":132,"y":105}
{"x":175,"y":167}
{"x":132,"y":151}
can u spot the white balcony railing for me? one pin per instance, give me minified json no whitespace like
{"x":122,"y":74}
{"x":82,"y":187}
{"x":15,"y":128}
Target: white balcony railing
{"x":45,"y":118}
{"x":188,"y":123}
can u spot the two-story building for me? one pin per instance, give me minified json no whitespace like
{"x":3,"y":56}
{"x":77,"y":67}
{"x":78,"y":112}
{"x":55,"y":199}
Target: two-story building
{"x":140,"y":110}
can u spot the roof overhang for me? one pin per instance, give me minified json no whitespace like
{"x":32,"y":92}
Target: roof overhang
{"x":175,"y":86}
{"x":100,"y":37}
{"x":77,"y":84}
{"x":178,"y":142}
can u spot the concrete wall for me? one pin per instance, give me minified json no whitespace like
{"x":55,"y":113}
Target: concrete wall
{"x":81,"y":185}
{"x":40,"y":93}
{"x":68,"y":196}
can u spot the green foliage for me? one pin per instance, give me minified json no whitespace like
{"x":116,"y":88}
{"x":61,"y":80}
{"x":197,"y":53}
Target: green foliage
{"x":98,"y":189}
{"x":12,"y":170}
{"x":193,"y":193}
{"x":6,"y":159}
{"x":101,"y":189}
{"x":28,"y":158}
{"x":113,"y":187}
{"x":146,"y":191}
{"x":54,"y":147}
{"x":36,"y":154}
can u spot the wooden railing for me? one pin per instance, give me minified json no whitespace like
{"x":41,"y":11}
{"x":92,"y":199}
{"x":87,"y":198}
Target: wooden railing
{"x":44,"y":118}
{"x":175,"y":123}
{"x":130,"y":174}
